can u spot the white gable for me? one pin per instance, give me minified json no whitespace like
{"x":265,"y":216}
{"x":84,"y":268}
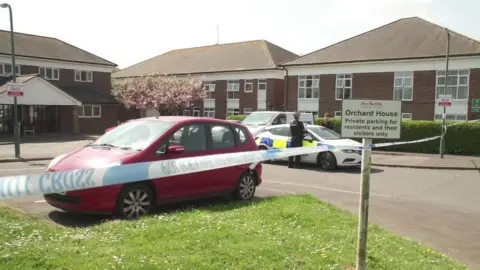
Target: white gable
{"x":38,"y":91}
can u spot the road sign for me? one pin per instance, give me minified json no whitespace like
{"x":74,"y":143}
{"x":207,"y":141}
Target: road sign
{"x":445,"y":100}
{"x":369,"y":119}
{"x":372,"y":119}
{"x":476,"y":105}
{"x":15,"y":89}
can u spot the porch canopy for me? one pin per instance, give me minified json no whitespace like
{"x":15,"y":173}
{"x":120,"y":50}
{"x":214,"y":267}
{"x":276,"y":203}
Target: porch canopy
{"x":38,"y":91}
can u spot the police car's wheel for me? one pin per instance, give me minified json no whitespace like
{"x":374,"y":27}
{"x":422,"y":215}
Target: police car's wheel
{"x":247,"y":184}
{"x":262,"y":147}
{"x":135,"y":202}
{"x":327,"y":161}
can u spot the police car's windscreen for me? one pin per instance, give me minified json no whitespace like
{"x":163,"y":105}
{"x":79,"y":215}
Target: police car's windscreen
{"x":259,"y":118}
{"x":324,"y":133}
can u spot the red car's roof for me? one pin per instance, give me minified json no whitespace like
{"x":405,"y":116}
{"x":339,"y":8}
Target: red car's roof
{"x":179,"y":119}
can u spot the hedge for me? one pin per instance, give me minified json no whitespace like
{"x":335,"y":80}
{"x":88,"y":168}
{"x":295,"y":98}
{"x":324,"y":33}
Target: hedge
{"x":461,"y":139}
{"x":236,"y":117}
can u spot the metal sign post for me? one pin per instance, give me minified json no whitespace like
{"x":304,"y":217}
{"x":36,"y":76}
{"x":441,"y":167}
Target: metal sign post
{"x":445,"y":101}
{"x":444,"y":116}
{"x":363,"y":205}
{"x":16,"y":125}
{"x":369,"y":119}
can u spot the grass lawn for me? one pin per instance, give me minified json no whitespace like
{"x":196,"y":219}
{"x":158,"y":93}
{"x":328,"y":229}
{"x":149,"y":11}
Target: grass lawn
{"x":296,"y":232}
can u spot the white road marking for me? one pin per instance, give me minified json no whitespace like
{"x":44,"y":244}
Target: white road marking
{"x":278,"y":190}
{"x":22,"y":169}
{"x":40,"y":201}
{"x":332,"y":189}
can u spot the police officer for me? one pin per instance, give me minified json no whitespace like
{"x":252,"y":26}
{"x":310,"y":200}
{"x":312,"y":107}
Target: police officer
{"x":297,"y":130}
{"x":326,"y":121}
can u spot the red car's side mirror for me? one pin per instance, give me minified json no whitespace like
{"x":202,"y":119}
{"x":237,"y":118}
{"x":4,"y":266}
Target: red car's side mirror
{"x":175,"y":149}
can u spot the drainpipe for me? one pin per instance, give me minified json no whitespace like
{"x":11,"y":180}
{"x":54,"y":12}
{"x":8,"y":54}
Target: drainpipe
{"x":285,"y":88}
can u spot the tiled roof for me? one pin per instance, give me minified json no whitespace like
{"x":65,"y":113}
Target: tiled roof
{"x":47,"y":48}
{"x":88,"y":96}
{"x":407,"y":38}
{"x":241,"y":56}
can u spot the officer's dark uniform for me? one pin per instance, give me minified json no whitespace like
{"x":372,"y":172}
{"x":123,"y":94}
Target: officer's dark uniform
{"x":327,"y":124}
{"x":297,"y":129}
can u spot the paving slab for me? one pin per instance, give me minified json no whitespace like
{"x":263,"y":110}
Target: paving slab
{"x":425,"y":161}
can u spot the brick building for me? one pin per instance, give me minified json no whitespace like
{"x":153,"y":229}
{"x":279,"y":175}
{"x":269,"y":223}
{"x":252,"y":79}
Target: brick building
{"x":403,"y":60}
{"x":66,"y":89}
{"x":240,"y":77}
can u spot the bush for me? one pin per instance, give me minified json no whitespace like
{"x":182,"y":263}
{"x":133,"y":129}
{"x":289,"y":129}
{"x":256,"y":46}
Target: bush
{"x":460,"y":139}
{"x":236,"y":117}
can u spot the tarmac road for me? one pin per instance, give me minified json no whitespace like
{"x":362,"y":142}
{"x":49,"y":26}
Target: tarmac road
{"x":439,"y":208}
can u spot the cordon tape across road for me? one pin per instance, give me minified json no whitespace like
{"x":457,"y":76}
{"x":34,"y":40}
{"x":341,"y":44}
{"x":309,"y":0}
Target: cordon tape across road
{"x":56,"y":182}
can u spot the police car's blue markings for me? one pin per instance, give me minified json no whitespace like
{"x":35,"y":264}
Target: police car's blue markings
{"x":266,"y":141}
{"x":126,"y":173}
{"x":68,"y":180}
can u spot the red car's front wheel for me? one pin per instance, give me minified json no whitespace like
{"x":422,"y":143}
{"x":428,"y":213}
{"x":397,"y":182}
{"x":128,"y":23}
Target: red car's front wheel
{"x":135,"y":202}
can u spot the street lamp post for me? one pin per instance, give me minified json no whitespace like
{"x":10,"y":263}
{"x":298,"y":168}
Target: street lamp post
{"x":444,"y":128}
{"x":16,"y":128}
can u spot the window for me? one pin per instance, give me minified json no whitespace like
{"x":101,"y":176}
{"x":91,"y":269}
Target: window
{"x":457,"y":84}
{"x":209,"y":87}
{"x":406,"y":116}
{"x":281,"y":131}
{"x":135,"y":134}
{"x":222,"y":136}
{"x":315,"y":113}
{"x":343,"y":87}
{"x":191,"y":137}
{"x":262,"y":85}
{"x":83,"y":76}
{"x":49,"y":73}
{"x":248,"y":86}
{"x":324,"y":133}
{"x":209,"y":112}
{"x":231,"y":111}
{"x":403,"y":86}
{"x":6,"y":69}
{"x":452,"y":117}
{"x":196,"y":111}
{"x":309,"y":87}
{"x":242,"y":135}
{"x":186,"y":112}
{"x":233,"y":88}
{"x":280,"y":119}
{"x":90,"y":111}
{"x":247,"y":111}
{"x":338,"y":114}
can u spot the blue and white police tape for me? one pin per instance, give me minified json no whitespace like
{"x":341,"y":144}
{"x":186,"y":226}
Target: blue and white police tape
{"x":56,"y":182}
{"x":378,"y":145}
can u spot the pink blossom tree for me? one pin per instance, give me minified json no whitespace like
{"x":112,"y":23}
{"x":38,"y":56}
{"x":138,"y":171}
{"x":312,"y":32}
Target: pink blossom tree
{"x":169,"y":95}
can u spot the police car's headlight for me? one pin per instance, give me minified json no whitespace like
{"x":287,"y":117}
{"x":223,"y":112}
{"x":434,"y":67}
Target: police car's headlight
{"x":349,"y":151}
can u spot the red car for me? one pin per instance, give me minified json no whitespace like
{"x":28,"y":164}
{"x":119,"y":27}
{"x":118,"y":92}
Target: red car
{"x":152,"y":139}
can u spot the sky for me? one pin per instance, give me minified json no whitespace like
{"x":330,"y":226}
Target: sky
{"x":128,"y":32}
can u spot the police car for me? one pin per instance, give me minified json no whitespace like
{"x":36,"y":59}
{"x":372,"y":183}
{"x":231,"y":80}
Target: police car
{"x":257,"y":122}
{"x":340,"y":155}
